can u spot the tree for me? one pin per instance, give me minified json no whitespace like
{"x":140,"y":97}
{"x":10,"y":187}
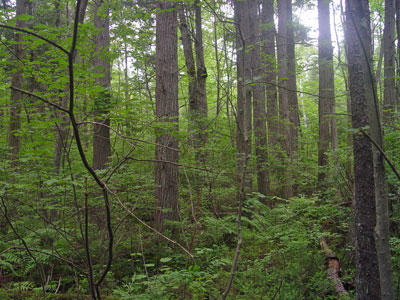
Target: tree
{"x":358,"y":38}
{"x":243,"y":65}
{"x":14,"y":140}
{"x":287,"y":93}
{"x":197,"y":74}
{"x":167,"y":112}
{"x":268,"y":53}
{"x":326,"y":88}
{"x":259,"y":103}
{"x":102,"y":66}
{"x":389,"y":92}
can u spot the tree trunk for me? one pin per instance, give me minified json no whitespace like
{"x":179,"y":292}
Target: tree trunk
{"x":292,"y":85}
{"x":283,"y":82}
{"x":243,"y":129}
{"x":101,"y":136}
{"x":14,"y":140}
{"x":167,"y":111}
{"x":389,"y":92}
{"x":268,"y":33}
{"x":382,"y":230}
{"x":201,"y":81}
{"x":259,"y":112}
{"x":326,"y":88}
{"x":358,"y":32}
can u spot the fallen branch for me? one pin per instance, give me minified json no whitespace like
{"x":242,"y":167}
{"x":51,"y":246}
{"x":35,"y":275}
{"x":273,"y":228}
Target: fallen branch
{"x":333,"y":268}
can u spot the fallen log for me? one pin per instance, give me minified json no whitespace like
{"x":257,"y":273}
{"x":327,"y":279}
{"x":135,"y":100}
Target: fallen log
{"x":333,"y":268}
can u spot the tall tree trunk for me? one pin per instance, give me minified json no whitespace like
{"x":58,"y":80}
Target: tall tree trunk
{"x":397,"y":7}
{"x":14,"y":140}
{"x":268,"y":33}
{"x":358,"y":38}
{"x":389,"y":92}
{"x":167,"y":111}
{"x":259,"y":112}
{"x":326,"y":88}
{"x":243,"y":129}
{"x":292,"y":85}
{"x":201,"y":79}
{"x":382,"y":230}
{"x":101,"y":136}
{"x":283,"y":89}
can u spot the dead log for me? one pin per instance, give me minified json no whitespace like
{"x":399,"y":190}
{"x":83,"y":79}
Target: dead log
{"x":333,"y":268}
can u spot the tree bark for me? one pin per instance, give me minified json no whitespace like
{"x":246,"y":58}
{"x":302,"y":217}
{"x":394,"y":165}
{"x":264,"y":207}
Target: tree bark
{"x":101,"y":135}
{"x":294,"y":118}
{"x":259,"y":105}
{"x":268,"y":33}
{"x":358,"y":38}
{"x":243,"y":61}
{"x":167,"y":111}
{"x":389,"y":92}
{"x":283,"y":89}
{"x":326,"y":88}
{"x":201,"y":80}
{"x":382,"y":230}
{"x":14,"y":140}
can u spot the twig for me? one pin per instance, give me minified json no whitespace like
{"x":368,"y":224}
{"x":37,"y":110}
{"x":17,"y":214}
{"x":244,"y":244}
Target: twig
{"x":36,"y":35}
{"x":382,"y":152}
{"x":149,"y":227}
{"x":39,"y":267}
{"x":239,"y":229}
{"x":40,"y":98}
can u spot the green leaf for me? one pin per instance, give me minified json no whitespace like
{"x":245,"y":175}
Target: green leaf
{"x":165,"y":259}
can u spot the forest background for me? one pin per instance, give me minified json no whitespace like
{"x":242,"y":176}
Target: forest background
{"x":199,"y":149}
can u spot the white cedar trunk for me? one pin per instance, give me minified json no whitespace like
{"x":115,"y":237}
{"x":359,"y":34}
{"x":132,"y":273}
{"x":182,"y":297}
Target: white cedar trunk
{"x":167,"y":111}
{"x":259,"y":103}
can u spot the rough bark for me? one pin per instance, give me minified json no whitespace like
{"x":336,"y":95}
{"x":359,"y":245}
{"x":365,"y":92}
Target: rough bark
{"x":397,"y":7}
{"x":333,"y":268}
{"x":269,"y":63}
{"x":358,"y":40}
{"x":326,"y":88}
{"x":283,"y":89}
{"x":14,"y":140}
{"x":389,"y":92}
{"x":259,"y":105}
{"x":201,"y":79}
{"x":101,"y":135}
{"x":294,"y":118}
{"x":382,"y":230}
{"x":187,"y":44}
{"x":167,"y":111}
{"x":197,"y":74}
{"x":243,"y":61}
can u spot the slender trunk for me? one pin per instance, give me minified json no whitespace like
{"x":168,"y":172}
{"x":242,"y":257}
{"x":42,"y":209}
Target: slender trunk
{"x":292,"y":85}
{"x":326,"y":89}
{"x":382,"y":230}
{"x":167,"y":111}
{"x":14,"y":140}
{"x":397,"y":7}
{"x":201,"y":80}
{"x":101,"y":136}
{"x":389,"y":92}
